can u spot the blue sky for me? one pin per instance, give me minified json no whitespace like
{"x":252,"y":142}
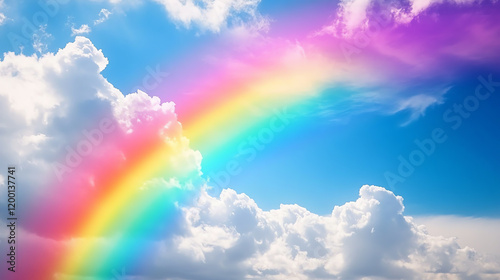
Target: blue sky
{"x":328,"y":160}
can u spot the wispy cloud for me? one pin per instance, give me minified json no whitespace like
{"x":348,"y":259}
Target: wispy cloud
{"x":40,"y":38}
{"x":2,"y":15}
{"x":103,"y":16}
{"x":353,"y":15}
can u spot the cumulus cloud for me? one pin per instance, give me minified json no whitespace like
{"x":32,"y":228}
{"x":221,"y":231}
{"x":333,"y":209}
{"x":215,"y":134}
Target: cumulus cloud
{"x":45,"y":105}
{"x":211,"y":15}
{"x":83,"y":29}
{"x":31,"y":92}
{"x":230,"y":237}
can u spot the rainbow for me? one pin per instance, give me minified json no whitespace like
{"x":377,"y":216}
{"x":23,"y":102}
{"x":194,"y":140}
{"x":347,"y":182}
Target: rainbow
{"x":110,"y":227}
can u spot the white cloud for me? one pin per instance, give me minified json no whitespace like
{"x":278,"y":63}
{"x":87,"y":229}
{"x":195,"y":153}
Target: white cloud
{"x":47,"y":102}
{"x":32,"y":86}
{"x":83,"y":29}
{"x":230,"y":237}
{"x":354,"y":12}
{"x":211,"y":14}
{"x":103,"y":16}
{"x":479,"y":233}
{"x":34,"y":102}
